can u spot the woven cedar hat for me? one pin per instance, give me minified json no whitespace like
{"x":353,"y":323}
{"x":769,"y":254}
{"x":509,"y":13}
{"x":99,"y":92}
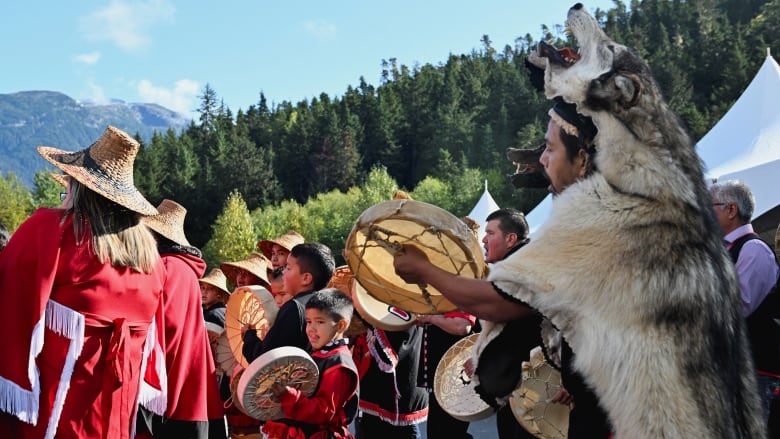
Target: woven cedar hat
{"x":62,"y":179}
{"x":216,"y":278}
{"x":256,"y":264}
{"x":105,"y":167}
{"x":169,"y":222}
{"x":286,"y":241}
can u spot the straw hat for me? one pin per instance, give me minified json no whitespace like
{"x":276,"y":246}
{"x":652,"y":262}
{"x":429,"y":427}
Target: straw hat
{"x":105,"y":167}
{"x":286,"y":241}
{"x":169,"y":222}
{"x":256,"y":264}
{"x":62,"y":179}
{"x":216,"y":278}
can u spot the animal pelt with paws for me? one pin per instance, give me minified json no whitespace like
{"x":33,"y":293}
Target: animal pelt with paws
{"x":630,"y":266}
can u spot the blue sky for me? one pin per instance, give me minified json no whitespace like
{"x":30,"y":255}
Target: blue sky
{"x":166,"y":51}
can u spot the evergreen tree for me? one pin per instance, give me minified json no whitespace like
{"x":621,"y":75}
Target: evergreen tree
{"x":16,"y":201}
{"x":233,"y":236}
{"x":46,"y":192}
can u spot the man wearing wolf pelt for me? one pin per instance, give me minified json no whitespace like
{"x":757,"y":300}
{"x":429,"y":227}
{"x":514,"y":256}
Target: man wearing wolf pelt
{"x":630,"y":266}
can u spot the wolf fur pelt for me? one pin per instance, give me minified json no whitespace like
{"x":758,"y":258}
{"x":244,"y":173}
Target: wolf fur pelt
{"x":630,"y":265}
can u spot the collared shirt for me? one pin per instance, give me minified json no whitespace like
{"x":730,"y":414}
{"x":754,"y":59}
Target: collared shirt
{"x":757,"y":269}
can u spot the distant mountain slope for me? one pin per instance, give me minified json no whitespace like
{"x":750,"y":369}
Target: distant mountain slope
{"x":32,"y":118}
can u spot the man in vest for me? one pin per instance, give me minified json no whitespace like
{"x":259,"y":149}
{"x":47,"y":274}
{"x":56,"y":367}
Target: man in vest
{"x":757,"y":272}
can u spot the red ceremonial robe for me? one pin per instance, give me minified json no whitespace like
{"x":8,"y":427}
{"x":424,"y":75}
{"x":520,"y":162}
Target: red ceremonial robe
{"x":74,"y":330}
{"x":193,"y":394}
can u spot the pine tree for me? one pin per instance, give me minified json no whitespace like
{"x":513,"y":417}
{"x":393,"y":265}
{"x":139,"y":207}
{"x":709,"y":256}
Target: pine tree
{"x":233,"y":236}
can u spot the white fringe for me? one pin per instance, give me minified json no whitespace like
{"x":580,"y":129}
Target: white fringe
{"x":395,"y":422}
{"x":14,"y":399}
{"x":69,"y":324}
{"x":153,"y":399}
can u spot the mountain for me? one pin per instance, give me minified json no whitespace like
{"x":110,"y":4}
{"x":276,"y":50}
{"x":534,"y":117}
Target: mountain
{"x":32,"y":118}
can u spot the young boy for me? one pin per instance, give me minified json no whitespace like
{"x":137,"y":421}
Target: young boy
{"x":277,"y":250}
{"x":309,"y":268}
{"x":277,"y":287}
{"x":332,"y":407}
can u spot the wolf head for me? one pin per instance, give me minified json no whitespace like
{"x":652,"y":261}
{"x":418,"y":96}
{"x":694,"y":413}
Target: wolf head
{"x":610,"y":83}
{"x":604,"y":75}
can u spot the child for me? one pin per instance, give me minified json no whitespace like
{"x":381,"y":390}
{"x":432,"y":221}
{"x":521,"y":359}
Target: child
{"x":214,"y":295}
{"x":309,"y":268}
{"x":277,"y":287}
{"x":250,"y":271}
{"x":327,"y":413}
{"x":277,"y":250}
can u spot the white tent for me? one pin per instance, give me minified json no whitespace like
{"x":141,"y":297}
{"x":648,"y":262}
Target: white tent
{"x":484,"y":207}
{"x":744,"y":145}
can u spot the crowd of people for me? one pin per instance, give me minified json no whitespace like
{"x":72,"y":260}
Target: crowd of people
{"x":117,"y":324}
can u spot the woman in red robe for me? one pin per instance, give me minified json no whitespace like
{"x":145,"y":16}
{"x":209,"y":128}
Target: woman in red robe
{"x":80,"y":287}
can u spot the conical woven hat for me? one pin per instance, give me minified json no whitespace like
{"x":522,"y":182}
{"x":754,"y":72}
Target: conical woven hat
{"x":169,"y":222}
{"x":256,"y":264}
{"x":105,"y":167}
{"x":216,"y":278}
{"x":62,"y":179}
{"x":286,"y":241}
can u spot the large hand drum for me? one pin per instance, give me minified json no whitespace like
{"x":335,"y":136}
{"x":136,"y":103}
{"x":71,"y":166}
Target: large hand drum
{"x":381,"y":230}
{"x":250,"y":305}
{"x":531,"y":404}
{"x":287,"y":365}
{"x":223,"y":355}
{"x":379,"y":314}
{"x":454,"y":389}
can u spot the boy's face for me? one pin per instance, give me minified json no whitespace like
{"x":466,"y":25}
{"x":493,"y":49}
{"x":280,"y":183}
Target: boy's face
{"x":294,"y":281}
{"x":245,"y":278}
{"x":322,"y":329}
{"x":278,"y":255}
{"x":209,"y":294}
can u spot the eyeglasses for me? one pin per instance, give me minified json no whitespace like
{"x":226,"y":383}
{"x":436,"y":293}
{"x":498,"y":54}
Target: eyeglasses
{"x":63,"y":195}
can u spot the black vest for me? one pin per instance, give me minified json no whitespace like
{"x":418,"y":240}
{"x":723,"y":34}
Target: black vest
{"x":764,"y":323}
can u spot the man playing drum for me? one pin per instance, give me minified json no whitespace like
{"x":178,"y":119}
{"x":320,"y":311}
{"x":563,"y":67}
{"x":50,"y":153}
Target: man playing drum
{"x":566,"y":158}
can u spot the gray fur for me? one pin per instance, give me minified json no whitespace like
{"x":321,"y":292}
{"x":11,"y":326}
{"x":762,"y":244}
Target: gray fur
{"x":630,"y":266}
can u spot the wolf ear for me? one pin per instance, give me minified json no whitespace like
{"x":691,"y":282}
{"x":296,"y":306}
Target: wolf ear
{"x":630,"y":88}
{"x":614,"y":90}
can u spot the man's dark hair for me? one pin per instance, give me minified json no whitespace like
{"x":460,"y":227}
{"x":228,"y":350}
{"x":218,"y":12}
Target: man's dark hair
{"x":317,"y":259}
{"x":332,"y":301}
{"x":511,"y":221}
{"x":583,"y":124}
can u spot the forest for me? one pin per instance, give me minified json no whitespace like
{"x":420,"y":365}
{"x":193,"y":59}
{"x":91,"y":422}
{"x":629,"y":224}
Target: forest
{"x":438,"y":131}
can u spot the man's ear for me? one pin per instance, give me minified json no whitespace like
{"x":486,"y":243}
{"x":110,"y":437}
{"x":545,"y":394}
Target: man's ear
{"x":511,"y":239}
{"x":342,"y":326}
{"x":582,"y":162}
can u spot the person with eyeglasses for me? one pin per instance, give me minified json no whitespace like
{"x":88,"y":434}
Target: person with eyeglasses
{"x":757,"y":273}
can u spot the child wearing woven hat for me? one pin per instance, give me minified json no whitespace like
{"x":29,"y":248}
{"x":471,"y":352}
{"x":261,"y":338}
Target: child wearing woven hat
{"x":214,"y":294}
{"x":80,"y":287}
{"x":277,"y":250}
{"x":250,"y":271}
{"x":194,"y":408}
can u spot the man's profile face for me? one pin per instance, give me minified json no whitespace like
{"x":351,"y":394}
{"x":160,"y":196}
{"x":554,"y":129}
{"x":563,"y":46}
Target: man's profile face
{"x":559,"y":169}
{"x":495,"y":242}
